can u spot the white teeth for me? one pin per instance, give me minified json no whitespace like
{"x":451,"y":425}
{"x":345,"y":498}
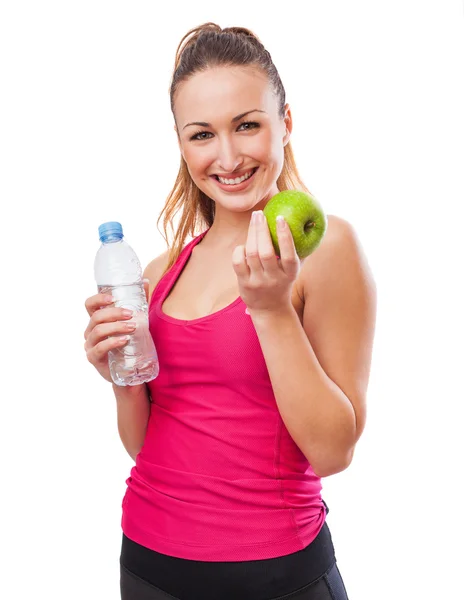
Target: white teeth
{"x":237,"y":179}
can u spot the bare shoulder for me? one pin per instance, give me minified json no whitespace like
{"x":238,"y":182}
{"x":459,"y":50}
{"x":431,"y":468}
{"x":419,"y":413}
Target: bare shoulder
{"x":340,"y":256}
{"x":154,"y":271}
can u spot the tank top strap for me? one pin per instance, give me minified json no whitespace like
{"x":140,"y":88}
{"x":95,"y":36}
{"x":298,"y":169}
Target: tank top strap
{"x":171,"y":275}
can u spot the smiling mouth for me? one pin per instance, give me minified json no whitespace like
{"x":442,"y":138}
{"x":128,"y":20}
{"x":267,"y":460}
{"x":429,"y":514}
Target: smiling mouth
{"x":236,"y":180}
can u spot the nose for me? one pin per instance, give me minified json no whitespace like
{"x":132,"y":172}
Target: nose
{"x":229,"y":157}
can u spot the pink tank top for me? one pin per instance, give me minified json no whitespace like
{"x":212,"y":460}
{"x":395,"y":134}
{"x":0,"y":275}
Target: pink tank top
{"x":218,"y":478}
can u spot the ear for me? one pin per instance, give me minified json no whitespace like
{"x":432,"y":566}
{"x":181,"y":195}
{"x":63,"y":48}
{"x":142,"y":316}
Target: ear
{"x":288,"y":122}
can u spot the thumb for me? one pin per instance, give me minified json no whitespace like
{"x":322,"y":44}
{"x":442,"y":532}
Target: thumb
{"x":146,"y":286}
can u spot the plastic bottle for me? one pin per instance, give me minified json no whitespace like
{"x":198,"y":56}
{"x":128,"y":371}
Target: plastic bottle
{"x":118,"y":273}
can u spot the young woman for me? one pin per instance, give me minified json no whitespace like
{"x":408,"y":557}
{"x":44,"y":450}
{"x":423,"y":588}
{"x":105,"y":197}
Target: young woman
{"x":264,"y":360}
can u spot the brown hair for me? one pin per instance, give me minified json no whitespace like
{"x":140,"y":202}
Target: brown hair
{"x":203,"y":47}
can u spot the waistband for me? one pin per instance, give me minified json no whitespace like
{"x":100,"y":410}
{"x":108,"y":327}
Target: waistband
{"x":230,"y":580}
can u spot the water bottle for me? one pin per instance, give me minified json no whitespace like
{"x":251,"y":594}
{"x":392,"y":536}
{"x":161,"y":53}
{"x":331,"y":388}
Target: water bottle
{"x":118,"y":273}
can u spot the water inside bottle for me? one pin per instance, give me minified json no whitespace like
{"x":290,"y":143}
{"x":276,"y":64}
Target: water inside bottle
{"x":137,"y":361}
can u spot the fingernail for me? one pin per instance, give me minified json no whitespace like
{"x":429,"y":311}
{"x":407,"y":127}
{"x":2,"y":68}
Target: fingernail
{"x":260,"y":216}
{"x":109,"y":299}
{"x":146,"y":281}
{"x":127,"y":313}
{"x":280,"y":222}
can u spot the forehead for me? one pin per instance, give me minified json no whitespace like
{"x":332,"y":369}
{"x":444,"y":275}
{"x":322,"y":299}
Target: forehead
{"x":223,"y":92}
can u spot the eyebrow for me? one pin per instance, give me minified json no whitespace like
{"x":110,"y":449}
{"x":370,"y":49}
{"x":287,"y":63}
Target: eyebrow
{"x":237,"y":118}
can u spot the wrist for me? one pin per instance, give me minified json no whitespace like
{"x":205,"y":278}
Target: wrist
{"x":272,"y":316}
{"x":129,"y":391}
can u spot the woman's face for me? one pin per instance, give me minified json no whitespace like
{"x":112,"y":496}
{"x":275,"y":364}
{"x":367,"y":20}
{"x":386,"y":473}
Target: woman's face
{"x":231,"y":135}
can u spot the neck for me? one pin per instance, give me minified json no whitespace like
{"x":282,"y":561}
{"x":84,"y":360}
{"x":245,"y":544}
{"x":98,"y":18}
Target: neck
{"x":227,"y":233}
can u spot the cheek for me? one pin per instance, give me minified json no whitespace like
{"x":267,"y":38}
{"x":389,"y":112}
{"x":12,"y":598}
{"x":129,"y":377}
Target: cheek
{"x":197,"y":159}
{"x":260,"y":146}
{"x":270,"y":154}
{"x":267,"y":148}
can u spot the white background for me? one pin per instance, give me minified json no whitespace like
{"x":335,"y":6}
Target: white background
{"x":86,"y":136}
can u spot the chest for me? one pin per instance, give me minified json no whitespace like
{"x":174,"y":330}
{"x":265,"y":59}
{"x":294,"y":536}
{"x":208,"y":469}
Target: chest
{"x":202,"y":289}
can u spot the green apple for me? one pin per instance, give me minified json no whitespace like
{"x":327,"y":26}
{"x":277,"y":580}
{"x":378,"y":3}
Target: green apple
{"x":304,"y":215}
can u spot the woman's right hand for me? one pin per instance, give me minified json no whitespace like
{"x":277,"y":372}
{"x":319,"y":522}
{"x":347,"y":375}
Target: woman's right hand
{"x":106,"y":320}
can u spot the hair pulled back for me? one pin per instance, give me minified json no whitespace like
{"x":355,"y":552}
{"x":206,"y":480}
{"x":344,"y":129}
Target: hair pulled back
{"x":204,"y":47}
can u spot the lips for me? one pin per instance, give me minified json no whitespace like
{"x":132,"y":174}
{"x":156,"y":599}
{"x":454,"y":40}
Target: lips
{"x":232,"y":187}
{"x":232,"y":180}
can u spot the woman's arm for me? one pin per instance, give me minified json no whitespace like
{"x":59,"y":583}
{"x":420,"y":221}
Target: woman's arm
{"x":320,"y":371}
{"x":133,"y":402}
{"x":133,"y":411}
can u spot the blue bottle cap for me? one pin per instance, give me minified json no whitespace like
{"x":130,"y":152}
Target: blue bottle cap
{"x":111,"y":229}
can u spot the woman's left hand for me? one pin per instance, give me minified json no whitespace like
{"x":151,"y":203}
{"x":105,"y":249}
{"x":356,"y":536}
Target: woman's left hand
{"x":265,"y":280}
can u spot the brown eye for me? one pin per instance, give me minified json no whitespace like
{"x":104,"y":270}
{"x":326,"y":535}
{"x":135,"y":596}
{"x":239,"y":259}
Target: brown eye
{"x":249,"y":125}
{"x":200,"y":135}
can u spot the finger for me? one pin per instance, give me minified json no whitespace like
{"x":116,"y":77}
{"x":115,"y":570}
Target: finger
{"x":103,"y":330}
{"x":239,"y":262}
{"x":266,"y":250}
{"x":251,"y":248}
{"x":95,"y":302}
{"x":289,"y":259}
{"x":99,"y":353}
{"x":107,"y":315}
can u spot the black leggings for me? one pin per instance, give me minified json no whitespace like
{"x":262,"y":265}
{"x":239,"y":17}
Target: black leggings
{"x":328,"y":587}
